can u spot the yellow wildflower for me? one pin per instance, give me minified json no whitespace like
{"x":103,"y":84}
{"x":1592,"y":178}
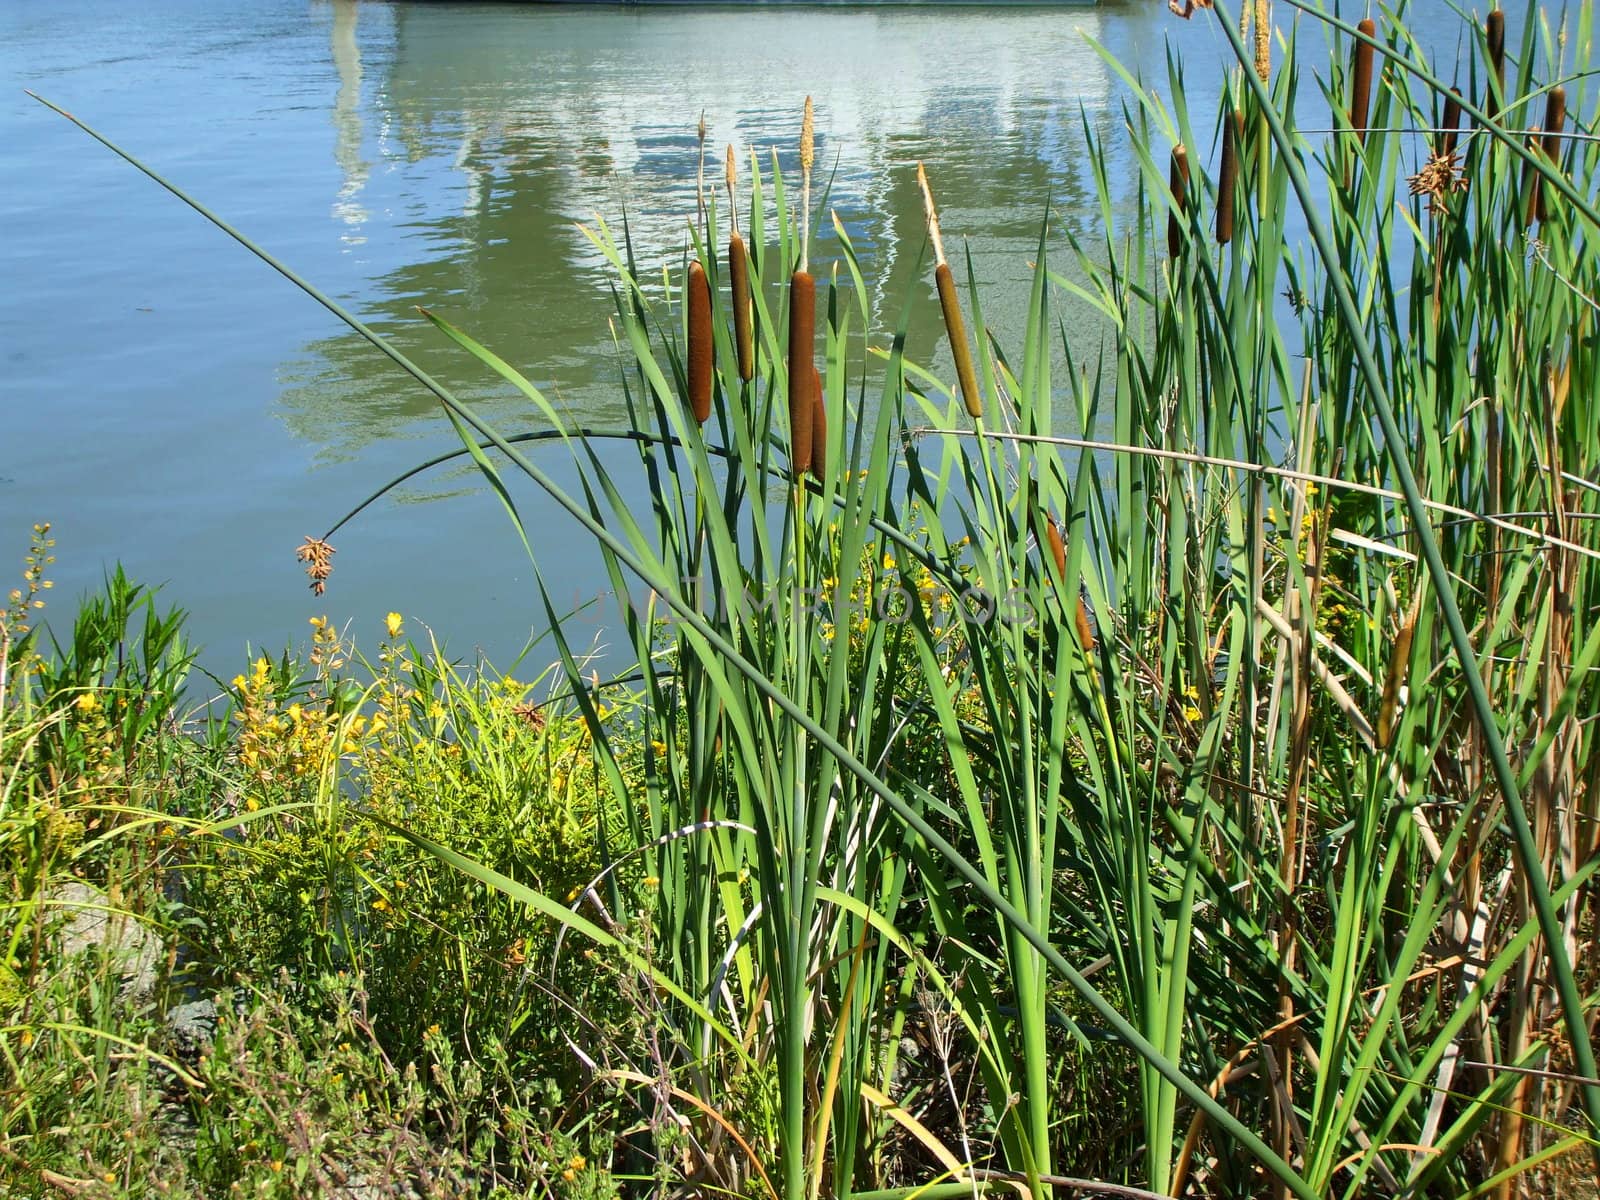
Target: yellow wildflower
{"x":86,"y":702}
{"x":393,"y":623}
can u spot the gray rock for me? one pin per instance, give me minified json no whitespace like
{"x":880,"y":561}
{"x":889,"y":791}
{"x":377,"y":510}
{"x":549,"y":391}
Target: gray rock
{"x":191,"y":1027}
{"x":91,"y":923}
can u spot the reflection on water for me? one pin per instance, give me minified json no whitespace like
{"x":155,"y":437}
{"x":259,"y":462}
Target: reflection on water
{"x":504,"y":128}
{"x":347,"y":123}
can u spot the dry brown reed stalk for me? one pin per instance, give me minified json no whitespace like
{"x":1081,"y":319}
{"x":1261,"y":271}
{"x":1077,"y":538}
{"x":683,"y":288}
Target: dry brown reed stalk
{"x":1452,"y":122}
{"x":739,"y":280}
{"x":1228,"y":176}
{"x":954,"y":326}
{"x":700,"y":369}
{"x":1494,"y":29}
{"x":802,"y":316}
{"x":818,"y":466}
{"x":1178,"y":180}
{"x":1555,"y":118}
{"x":1361,"y":80}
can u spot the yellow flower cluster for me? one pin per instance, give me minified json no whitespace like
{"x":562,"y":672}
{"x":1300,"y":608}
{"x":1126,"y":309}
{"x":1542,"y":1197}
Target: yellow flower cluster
{"x":296,"y":741}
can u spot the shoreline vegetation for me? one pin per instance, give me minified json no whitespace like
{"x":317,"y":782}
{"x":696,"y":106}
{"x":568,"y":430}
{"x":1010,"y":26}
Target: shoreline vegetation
{"x":1173,"y":776}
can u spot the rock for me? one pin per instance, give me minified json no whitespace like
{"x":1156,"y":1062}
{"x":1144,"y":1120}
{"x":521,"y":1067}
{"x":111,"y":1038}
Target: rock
{"x":91,"y":923}
{"x":191,"y":1027}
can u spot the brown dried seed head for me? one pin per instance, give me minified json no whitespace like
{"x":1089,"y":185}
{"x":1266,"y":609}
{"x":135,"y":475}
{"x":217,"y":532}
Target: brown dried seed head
{"x":802,"y":334}
{"x":731,"y":170}
{"x":1495,"y":34}
{"x":1228,"y":176}
{"x":1399,"y":661}
{"x":819,"y":427}
{"x":1085,"y":627}
{"x":739,"y":280}
{"x":1555,"y":118}
{"x":956,"y":329}
{"x":700,"y":338}
{"x":1452,"y":121}
{"x":1178,"y":180}
{"x":1361,"y":82}
{"x":318,"y":557}
{"x":1058,"y":548}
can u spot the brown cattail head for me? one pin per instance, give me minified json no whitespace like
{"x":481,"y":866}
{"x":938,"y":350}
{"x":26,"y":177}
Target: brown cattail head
{"x":819,"y":427}
{"x":699,"y":300}
{"x":730,"y":170}
{"x":1085,"y":627}
{"x":739,"y":280}
{"x":1228,"y":176}
{"x":1555,"y":118}
{"x":1452,"y":122}
{"x":1399,"y":662}
{"x":1178,"y":179}
{"x":956,"y":328}
{"x":802,"y":370}
{"x":1361,"y":80}
{"x":1495,"y":33}
{"x":1058,"y":548}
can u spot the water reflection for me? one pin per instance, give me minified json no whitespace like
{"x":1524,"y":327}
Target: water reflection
{"x":503,"y":127}
{"x":347,"y":123}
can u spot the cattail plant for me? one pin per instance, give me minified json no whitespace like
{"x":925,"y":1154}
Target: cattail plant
{"x":802,"y":315}
{"x":1452,"y":122}
{"x":1228,"y":176}
{"x":700,"y":370}
{"x":950,"y":302}
{"x":1361,"y":80}
{"x":1495,"y":32}
{"x":1178,"y":180}
{"x":1555,"y":118}
{"x":739,"y":280}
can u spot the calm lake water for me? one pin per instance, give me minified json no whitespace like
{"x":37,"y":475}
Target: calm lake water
{"x":172,"y":403}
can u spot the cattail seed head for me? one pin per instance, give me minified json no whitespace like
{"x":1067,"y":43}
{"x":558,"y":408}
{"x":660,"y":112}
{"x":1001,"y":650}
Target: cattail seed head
{"x":1452,"y":121}
{"x":956,"y":328}
{"x":739,"y":281}
{"x":802,"y":370}
{"x":1555,"y":117}
{"x":1495,"y":33}
{"x":730,"y":169}
{"x":1085,"y":627}
{"x":1058,"y":548}
{"x":1228,"y":176}
{"x":808,"y":138}
{"x":700,"y":358}
{"x":1361,"y":80}
{"x":1394,"y":677}
{"x":819,"y":427}
{"x":1178,"y":179}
